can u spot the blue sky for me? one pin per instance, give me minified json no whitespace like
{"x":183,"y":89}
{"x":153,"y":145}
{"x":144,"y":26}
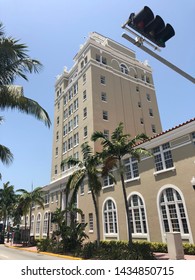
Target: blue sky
{"x":53,"y":31}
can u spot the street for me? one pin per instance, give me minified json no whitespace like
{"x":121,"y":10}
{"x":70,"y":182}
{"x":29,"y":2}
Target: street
{"x":7,"y":253}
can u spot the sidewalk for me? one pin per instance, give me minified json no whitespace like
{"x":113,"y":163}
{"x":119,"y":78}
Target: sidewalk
{"x":159,"y":256}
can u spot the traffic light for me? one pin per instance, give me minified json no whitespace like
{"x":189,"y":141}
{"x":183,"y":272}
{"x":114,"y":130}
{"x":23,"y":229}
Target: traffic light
{"x":150,"y":26}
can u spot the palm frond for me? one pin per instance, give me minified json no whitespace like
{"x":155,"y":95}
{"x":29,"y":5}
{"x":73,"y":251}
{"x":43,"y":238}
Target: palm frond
{"x":109,"y":163}
{"x":14,"y":61}
{"x":9,"y":99}
{"x":5,"y":155}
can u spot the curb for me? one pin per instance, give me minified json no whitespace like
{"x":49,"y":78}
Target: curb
{"x":43,"y":253}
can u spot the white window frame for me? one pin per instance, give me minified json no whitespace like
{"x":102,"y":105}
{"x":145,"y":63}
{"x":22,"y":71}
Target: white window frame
{"x":138,"y":216}
{"x":38,"y":224}
{"x":107,"y":182}
{"x":160,"y":161}
{"x":110,"y":220}
{"x":132,"y":168}
{"x":165,"y":211}
{"x":91,"y":222}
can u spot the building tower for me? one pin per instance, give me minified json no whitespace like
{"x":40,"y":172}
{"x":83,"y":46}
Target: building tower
{"x":106,"y":85}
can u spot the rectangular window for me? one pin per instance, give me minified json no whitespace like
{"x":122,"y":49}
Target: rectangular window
{"x":58,"y":120}
{"x":82,"y":64}
{"x":65,"y":114}
{"x":106,"y":133}
{"x":64,"y":149}
{"x":65,"y":99}
{"x":84,"y":95}
{"x":82,"y":189}
{"x":103,"y":80}
{"x":85,"y":112}
{"x":76,"y":104}
{"x":85,"y":131}
{"x":148,"y":96}
{"x":70,"y":94}
{"x":163,"y":157}
{"x":153,"y":128}
{"x":107,"y":182}
{"x":57,"y":135}
{"x":70,"y":143}
{"x":75,"y":88}
{"x":56,"y":169}
{"x":83,"y":219}
{"x":131,"y":168}
{"x":46,"y":201}
{"x":150,"y":112}
{"x":65,"y":131}
{"x":103,"y":96}
{"x":76,"y":139}
{"x":97,"y":58}
{"x":104,"y":60}
{"x":70,"y":125}
{"x":105,"y":115}
{"x":70,"y":109}
{"x":76,"y":121}
{"x":84,"y":78}
{"x":90,"y":221}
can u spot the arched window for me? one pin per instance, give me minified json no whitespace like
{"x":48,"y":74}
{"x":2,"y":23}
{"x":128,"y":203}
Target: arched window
{"x":38,"y":224}
{"x":137,"y":213}
{"x":32,"y":224}
{"x":124,"y":69}
{"x":110,"y":217}
{"x":45,"y":223}
{"x":173,"y":212}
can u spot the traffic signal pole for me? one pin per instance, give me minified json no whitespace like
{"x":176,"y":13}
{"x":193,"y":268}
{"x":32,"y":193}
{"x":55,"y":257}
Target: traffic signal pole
{"x":153,"y":31}
{"x":139,"y":44}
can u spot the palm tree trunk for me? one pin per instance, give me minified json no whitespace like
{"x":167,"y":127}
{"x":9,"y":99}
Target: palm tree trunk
{"x":130,"y":242}
{"x":30,"y":219}
{"x":97,"y":217}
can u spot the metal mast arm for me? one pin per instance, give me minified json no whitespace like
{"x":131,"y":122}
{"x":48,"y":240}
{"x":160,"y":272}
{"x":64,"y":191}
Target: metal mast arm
{"x":158,"y":57}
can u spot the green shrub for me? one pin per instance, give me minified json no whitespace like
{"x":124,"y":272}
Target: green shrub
{"x":189,"y":249}
{"x":117,"y":250}
{"x":44,"y":245}
{"x":158,"y":247}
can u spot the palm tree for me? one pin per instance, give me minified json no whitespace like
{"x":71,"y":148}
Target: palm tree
{"x":113,"y":152}
{"x":26,"y":202}
{"x":7,"y":201}
{"x":15,"y":63}
{"x":88,"y":168}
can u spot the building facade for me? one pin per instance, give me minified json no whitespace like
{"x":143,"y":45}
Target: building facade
{"x":108,"y":85}
{"x":160,"y":191}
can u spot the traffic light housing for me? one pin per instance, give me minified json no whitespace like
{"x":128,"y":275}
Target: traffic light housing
{"x":151,"y":27}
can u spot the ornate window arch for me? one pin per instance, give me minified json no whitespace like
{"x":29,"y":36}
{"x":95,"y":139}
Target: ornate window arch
{"x":137,"y":210}
{"x":172,"y":212}
{"x":110,"y":223}
{"x":38,"y":224}
{"x":45,"y":223}
{"x":32,"y":224}
{"x":124,"y":68}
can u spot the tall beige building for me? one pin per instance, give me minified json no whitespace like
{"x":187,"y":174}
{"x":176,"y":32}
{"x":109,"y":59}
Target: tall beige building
{"x":106,"y":85}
